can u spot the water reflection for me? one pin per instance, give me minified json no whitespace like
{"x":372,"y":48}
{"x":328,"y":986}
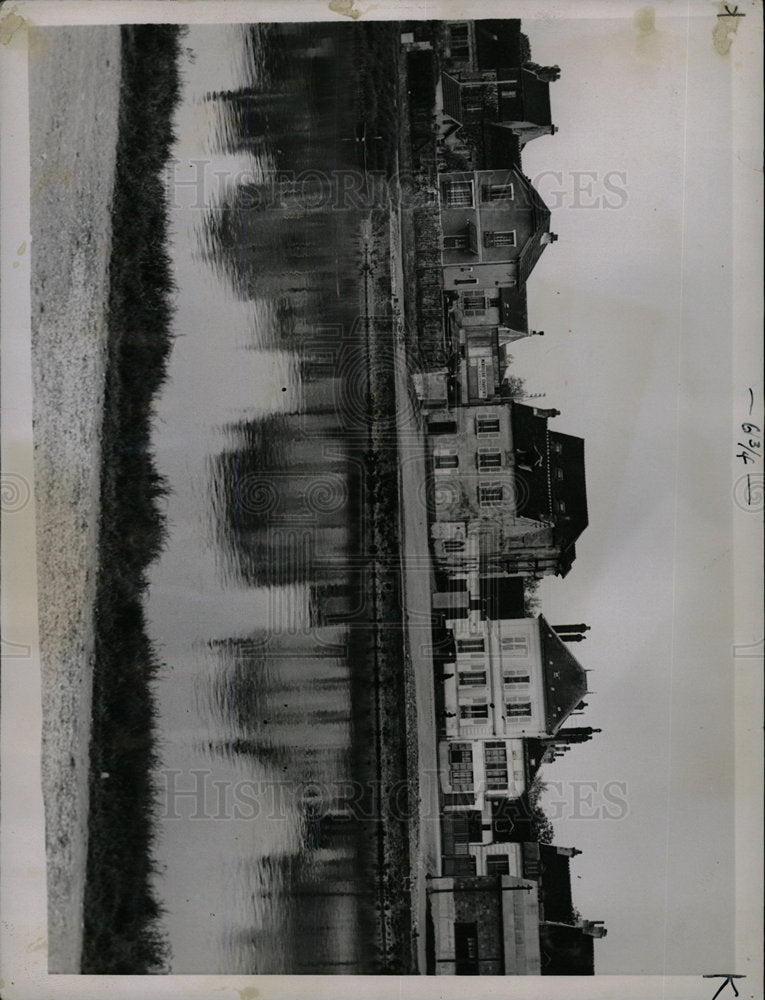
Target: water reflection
{"x":260,"y":606}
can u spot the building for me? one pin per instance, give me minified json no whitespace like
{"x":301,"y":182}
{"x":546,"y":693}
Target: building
{"x":508,"y":494}
{"x":503,"y":699}
{"x":522,"y":923}
{"x":511,"y":679}
{"x":494,"y":228}
{"x":515,"y":100}
{"x":481,"y":330}
{"x":490,"y":87}
{"x":485,"y":926}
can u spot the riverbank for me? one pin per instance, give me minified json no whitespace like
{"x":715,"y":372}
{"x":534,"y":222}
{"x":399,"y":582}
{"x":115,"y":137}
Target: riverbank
{"x":74,"y":83}
{"x":121,"y":929}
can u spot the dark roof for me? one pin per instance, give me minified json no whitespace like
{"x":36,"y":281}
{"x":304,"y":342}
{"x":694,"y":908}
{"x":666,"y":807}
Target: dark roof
{"x":555,"y":879}
{"x":513,"y":311}
{"x":536,"y":98}
{"x":533,"y":754}
{"x":566,"y":951}
{"x":498,"y":43}
{"x":540,"y":491}
{"x":571,"y":489}
{"x":502,"y":148}
{"x":532,"y":251}
{"x":530,"y":446}
{"x":450,"y":90}
{"x":503,"y":596}
{"x":565,"y":680}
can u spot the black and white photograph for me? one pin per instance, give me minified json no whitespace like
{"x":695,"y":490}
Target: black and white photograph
{"x":382,"y":497}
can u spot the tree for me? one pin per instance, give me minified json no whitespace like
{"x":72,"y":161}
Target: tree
{"x":543,"y":828}
{"x":547,"y":73}
{"x":531,"y":593}
{"x":513,"y":387}
{"x":541,"y":822}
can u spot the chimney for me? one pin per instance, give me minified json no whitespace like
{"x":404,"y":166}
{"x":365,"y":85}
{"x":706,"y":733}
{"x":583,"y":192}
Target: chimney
{"x":572,"y":637}
{"x":571,"y":628}
{"x":539,"y":412}
{"x":569,"y":852}
{"x":594,"y":928}
{"x":537,"y":333}
{"x":548,"y":238}
{"x":580,"y":734}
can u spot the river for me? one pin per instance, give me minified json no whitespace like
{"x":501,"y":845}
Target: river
{"x":258,"y":606}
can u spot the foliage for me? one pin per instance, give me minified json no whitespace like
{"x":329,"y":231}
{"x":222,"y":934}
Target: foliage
{"x":543,"y":827}
{"x":531,"y":593}
{"x":121,"y":914}
{"x":548,"y":73}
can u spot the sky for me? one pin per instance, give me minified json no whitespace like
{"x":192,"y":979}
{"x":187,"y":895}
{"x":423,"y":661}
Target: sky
{"x":634,"y":299}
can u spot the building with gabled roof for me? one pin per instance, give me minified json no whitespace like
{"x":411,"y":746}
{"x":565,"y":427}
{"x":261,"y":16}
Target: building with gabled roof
{"x":494,"y":228}
{"x":517,"y":919}
{"x":509,"y":494}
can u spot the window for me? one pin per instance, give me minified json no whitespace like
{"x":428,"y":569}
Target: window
{"x":470,"y":645}
{"x":516,"y":677}
{"x":454,"y":545}
{"x":466,"y":281}
{"x":493,"y":303}
{"x":473,"y":304}
{"x":470,"y":678}
{"x":487,"y":425}
{"x":516,"y":709}
{"x":445,"y":460}
{"x":475,"y":711}
{"x":474,"y":102}
{"x":490,"y":494}
{"x":497,"y":864}
{"x":489,"y":459}
{"x":504,"y":239}
{"x":559,"y":474}
{"x":461,"y":767}
{"x":557,"y":447}
{"x":442,"y":427}
{"x":459,"y":42}
{"x":495,"y":763}
{"x":508,"y":95}
{"x":498,"y":192}
{"x":560,"y":506}
{"x":515,"y":645}
{"x":459,"y":194}
{"x":457,"y":242}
